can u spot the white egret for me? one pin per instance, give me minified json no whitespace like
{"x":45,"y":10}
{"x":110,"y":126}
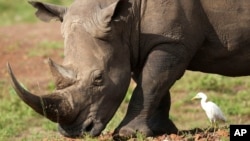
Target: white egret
{"x":213,"y":112}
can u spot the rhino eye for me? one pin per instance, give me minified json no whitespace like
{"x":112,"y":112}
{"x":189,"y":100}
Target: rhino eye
{"x":98,"y":78}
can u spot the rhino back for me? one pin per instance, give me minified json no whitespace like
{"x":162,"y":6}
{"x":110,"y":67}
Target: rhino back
{"x":172,"y":21}
{"x":215,"y":33}
{"x":226,"y":49}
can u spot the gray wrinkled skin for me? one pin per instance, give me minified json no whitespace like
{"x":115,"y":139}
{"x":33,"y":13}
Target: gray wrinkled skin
{"x":153,"y":41}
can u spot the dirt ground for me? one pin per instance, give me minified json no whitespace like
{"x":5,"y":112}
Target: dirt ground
{"x":15,"y":43}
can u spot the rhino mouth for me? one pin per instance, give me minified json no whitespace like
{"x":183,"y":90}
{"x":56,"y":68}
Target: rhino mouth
{"x":76,"y":131}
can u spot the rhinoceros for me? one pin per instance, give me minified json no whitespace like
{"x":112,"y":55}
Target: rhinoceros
{"x":108,"y":42}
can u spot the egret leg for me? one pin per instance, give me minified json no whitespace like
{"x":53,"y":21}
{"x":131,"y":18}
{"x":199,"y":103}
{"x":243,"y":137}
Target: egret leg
{"x":210,"y":126}
{"x":215,"y":126}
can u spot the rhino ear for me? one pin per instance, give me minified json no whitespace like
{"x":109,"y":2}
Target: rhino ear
{"x":46,"y":12}
{"x":108,"y":14}
{"x":104,"y":18}
{"x":63,"y":76}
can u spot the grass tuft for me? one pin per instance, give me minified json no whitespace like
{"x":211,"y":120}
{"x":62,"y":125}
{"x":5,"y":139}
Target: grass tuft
{"x":45,"y":48}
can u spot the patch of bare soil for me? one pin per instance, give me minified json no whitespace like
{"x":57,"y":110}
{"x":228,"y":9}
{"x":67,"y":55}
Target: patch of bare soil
{"x":189,"y":135}
{"x":33,"y":71}
{"x":196,"y":134}
{"x":16,"y":42}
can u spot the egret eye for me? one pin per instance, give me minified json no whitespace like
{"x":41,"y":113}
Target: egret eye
{"x":98,"y":78}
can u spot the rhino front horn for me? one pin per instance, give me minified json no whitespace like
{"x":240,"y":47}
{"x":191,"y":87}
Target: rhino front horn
{"x":53,"y":106}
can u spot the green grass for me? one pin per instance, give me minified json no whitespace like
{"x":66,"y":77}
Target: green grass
{"x":16,"y":116}
{"x":21,"y":12}
{"x":45,"y":48}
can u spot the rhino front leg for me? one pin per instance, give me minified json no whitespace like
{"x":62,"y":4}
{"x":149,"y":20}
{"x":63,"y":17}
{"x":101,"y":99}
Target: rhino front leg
{"x":148,"y":110}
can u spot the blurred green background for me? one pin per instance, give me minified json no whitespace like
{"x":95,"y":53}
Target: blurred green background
{"x":18,"y":11}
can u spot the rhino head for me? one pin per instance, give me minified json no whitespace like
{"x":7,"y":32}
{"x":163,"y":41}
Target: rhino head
{"x":94,"y":77}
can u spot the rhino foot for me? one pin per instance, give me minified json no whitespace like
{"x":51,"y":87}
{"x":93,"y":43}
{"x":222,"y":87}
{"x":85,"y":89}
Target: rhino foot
{"x":132,"y":128}
{"x":154,"y":127}
{"x":157,"y":123}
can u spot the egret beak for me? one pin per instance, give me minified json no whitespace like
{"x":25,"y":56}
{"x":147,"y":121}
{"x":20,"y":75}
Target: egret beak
{"x":194,"y":98}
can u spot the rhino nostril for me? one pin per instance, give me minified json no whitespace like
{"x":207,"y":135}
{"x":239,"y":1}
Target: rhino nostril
{"x":89,"y":127}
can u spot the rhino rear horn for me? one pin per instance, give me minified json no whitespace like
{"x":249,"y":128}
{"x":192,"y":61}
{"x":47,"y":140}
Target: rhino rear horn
{"x":53,"y":106}
{"x":63,"y":76}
